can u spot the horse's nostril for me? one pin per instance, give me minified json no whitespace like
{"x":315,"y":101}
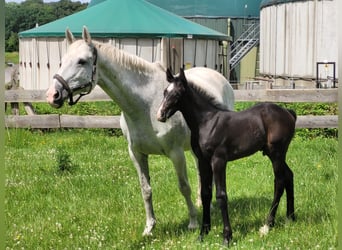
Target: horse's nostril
{"x":57,"y":95}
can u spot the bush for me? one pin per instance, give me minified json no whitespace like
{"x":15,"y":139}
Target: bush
{"x":64,"y":163}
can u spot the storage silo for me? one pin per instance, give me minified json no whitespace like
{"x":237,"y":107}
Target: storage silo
{"x":298,"y":42}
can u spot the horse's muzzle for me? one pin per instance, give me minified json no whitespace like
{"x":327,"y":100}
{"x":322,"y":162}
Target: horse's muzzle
{"x":55,"y":97}
{"x":161,"y":116}
{"x":58,"y":100}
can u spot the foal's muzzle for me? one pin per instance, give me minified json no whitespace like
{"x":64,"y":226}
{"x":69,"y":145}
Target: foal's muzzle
{"x":161,"y":118}
{"x":163,"y":115}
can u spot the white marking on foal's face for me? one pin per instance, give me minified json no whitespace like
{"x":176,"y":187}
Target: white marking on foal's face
{"x":170,"y":87}
{"x":161,"y":115}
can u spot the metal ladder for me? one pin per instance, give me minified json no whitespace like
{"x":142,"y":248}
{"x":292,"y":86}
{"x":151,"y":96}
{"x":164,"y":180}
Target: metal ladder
{"x":248,"y":40}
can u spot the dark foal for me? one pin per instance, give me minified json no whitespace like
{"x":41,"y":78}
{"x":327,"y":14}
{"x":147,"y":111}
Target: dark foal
{"x":219,"y":135}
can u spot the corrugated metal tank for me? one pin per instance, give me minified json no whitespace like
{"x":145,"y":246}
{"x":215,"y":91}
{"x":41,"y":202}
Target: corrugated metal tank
{"x":294,"y":37}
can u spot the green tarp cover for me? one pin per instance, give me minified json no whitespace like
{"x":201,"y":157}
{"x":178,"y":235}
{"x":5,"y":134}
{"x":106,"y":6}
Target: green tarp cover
{"x":211,"y":8}
{"x":125,"y":18}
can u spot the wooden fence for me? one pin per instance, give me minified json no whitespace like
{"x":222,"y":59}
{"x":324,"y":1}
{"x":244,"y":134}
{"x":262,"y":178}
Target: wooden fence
{"x":74,"y":121}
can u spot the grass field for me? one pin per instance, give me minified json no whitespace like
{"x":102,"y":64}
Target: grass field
{"x":95,"y":201}
{"x":12,"y":57}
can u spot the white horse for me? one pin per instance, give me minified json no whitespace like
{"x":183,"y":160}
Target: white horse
{"x":137,"y":87}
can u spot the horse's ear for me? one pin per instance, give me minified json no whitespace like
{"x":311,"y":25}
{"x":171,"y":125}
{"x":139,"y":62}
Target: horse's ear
{"x":69,"y":36}
{"x":169,"y":75}
{"x":182,"y":76}
{"x":86,"y":35}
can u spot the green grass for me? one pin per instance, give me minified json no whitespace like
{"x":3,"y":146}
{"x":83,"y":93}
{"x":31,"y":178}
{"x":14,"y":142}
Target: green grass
{"x":12,"y":57}
{"x":98,"y":204}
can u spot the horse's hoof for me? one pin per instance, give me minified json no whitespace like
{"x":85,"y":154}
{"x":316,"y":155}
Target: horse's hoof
{"x":291,"y":217}
{"x":227,"y":237}
{"x":147,"y":233}
{"x":200,"y":238}
{"x":193,"y":224}
{"x":264,"y":230}
{"x":225,"y":242}
{"x":148,"y":228}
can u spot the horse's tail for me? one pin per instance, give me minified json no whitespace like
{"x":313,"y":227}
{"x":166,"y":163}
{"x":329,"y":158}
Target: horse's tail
{"x":293,"y":113}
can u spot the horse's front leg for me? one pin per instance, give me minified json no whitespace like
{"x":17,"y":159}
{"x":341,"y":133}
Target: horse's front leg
{"x":206,"y":177}
{"x":141,"y":164}
{"x":178,"y":159}
{"x":219,"y":171}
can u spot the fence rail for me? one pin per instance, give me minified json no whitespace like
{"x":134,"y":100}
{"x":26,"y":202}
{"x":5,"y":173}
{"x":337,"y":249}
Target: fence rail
{"x":264,"y":95}
{"x":74,"y":121}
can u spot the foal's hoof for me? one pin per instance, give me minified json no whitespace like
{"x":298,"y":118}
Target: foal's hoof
{"x":291,"y":217}
{"x":200,"y":238}
{"x":225,"y":242}
{"x":227,"y":238}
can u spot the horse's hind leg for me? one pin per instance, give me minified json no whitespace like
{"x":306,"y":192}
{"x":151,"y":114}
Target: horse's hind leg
{"x":289,"y":194}
{"x":198,"y":199}
{"x":283,"y":179}
{"x":141,"y":164}
{"x":178,"y":159}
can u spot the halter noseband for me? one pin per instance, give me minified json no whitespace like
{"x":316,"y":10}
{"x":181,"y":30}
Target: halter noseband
{"x":70,"y":91}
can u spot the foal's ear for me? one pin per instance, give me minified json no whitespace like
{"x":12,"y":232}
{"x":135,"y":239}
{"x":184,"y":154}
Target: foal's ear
{"x":182,"y":76}
{"x":86,"y":35}
{"x":69,"y":36}
{"x":169,"y":75}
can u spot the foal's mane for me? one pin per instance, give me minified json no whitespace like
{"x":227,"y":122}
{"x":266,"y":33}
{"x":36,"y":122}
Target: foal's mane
{"x":129,"y":61}
{"x":200,"y":90}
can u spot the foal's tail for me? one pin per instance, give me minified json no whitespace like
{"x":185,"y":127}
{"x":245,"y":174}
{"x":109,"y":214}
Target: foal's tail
{"x":293,"y":113}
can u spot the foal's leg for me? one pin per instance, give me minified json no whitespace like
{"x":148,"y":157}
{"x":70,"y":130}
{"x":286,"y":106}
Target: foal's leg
{"x":283,"y":180}
{"x":219,"y":170}
{"x":178,"y":159}
{"x":289,"y":193}
{"x":141,"y":164}
{"x":206,"y":176}
{"x":199,"y":200}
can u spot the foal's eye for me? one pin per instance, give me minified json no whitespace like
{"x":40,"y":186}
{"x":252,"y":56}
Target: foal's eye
{"x":82,"y":62}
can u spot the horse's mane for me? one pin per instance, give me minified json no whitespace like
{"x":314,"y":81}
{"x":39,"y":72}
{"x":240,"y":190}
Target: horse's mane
{"x":206,"y":95}
{"x":129,"y":61}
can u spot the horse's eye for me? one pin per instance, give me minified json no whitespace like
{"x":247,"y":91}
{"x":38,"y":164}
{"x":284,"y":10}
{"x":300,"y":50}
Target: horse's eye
{"x":82,"y":62}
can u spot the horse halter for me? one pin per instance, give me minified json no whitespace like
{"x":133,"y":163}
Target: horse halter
{"x":87,"y":85}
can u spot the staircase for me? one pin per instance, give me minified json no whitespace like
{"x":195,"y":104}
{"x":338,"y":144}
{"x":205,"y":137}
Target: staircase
{"x":248,"y":40}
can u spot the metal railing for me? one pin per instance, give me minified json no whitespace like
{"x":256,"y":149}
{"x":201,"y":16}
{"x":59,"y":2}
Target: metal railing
{"x":247,"y":40}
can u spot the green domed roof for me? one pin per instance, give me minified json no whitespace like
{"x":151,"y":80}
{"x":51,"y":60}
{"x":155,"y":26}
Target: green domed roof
{"x":125,"y":18}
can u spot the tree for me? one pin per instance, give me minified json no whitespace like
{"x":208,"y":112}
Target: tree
{"x":26,"y":15}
